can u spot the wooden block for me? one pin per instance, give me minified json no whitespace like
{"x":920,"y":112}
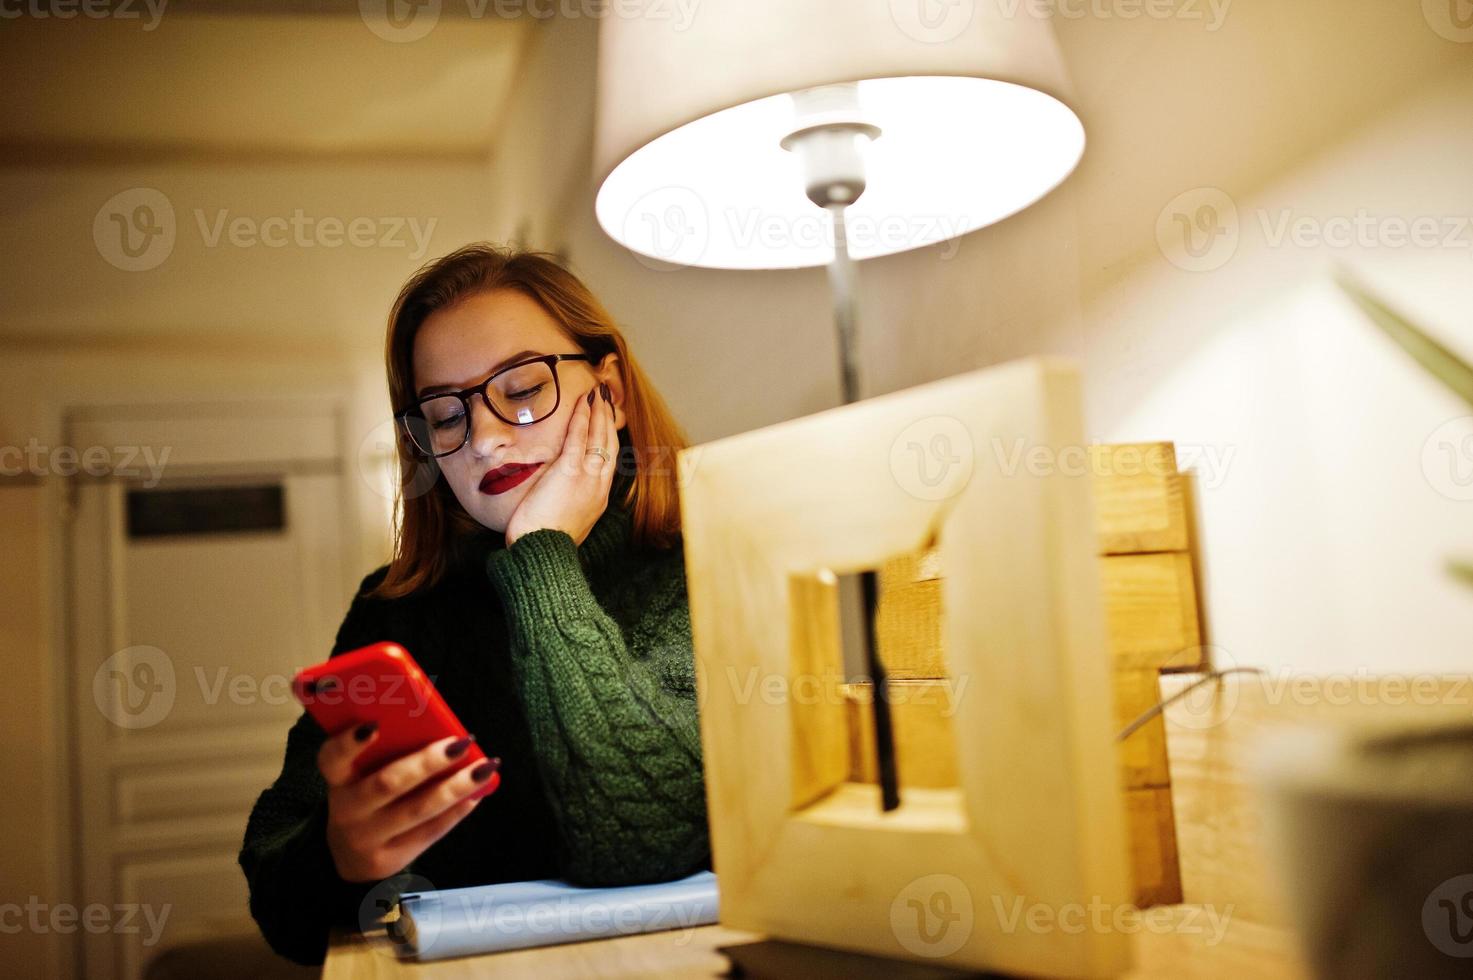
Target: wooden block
{"x":1142,"y":756}
{"x":820,"y":739}
{"x":1153,"y":853}
{"x":908,"y":617}
{"x":1151,"y":611}
{"x":1139,"y":504}
{"x":925,"y":757}
{"x":920,"y":719}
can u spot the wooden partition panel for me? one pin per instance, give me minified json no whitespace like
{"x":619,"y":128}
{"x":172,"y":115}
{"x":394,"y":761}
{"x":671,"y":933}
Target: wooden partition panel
{"x":1152,"y":625}
{"x":1034,"y":814}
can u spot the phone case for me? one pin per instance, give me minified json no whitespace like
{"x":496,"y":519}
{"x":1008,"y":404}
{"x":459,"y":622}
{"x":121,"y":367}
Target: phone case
{"x":382,"y":683}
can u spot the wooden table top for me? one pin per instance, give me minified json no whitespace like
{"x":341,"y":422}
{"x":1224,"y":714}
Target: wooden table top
{"x":1179,"y":946}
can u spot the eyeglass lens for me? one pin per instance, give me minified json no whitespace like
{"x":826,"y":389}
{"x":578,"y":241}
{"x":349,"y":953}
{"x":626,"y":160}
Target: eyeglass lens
{"x":522,"y":395}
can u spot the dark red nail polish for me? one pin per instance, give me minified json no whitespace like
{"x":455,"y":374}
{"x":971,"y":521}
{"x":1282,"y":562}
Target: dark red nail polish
{"x":365,"y":731}
{"x":483,"y":772}
{"x":457,"y":748}
{"x":590,"y":399}
{"x":608,"y":396}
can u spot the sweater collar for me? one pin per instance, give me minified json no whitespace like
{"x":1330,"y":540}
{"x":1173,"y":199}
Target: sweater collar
{"x":611,"y":536}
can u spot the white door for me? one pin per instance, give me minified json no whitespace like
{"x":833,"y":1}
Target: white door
{"x":196,"y":590}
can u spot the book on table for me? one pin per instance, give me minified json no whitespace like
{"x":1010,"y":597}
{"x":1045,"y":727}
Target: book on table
{"x":452,"y":922}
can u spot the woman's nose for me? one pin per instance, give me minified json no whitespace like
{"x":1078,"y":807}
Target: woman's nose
{"x":488,"y":432}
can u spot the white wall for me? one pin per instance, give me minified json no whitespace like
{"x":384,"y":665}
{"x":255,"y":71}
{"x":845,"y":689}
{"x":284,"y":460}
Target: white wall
{"x":1324,"y":533}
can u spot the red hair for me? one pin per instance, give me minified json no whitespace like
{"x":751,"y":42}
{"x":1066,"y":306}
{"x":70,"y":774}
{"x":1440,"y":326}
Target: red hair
{"x":430,"y":521}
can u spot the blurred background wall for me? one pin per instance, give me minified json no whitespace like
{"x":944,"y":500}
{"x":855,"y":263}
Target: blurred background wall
{"x":1235,"y":152}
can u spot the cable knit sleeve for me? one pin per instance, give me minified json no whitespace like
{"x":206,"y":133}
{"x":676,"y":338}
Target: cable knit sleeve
{"x":612,"y":709}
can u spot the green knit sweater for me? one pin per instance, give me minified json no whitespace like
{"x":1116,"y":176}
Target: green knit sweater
{"x":572,"y":663}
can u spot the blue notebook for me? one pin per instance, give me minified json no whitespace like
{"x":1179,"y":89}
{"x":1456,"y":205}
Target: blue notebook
{"x":450,"y":922}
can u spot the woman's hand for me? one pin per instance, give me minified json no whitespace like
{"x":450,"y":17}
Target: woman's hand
{"x":380,"y":822}
{"x":572,"y":494}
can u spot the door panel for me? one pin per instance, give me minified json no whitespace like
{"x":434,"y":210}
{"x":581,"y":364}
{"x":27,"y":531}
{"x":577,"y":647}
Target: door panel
{"x":184,"y":645}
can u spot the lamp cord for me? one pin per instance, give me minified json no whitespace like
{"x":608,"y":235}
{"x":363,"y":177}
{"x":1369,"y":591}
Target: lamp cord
{"x":1161,"y":706}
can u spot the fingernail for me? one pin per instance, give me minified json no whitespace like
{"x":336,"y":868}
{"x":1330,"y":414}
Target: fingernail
{"x":483,"y":772}
{"x":365,"y":731}
{"x":590,"y":399}
{"x":457,"y":748}
{"x":607,"y":396}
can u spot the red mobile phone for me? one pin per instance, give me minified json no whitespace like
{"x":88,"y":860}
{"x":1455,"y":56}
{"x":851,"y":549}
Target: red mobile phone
{"x":382,"y":683}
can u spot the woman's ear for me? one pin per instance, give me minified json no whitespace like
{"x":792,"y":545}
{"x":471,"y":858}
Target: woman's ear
{"x":608,"y":373}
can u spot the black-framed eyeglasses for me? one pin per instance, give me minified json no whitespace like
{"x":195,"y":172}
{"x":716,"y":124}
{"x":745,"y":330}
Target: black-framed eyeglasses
{"x":518,"y":394}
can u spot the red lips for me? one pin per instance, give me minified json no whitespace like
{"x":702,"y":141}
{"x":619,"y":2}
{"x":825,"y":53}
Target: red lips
{"x":503,"y":478}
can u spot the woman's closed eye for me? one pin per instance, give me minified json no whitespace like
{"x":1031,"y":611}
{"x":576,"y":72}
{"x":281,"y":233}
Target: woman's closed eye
{"x":449,"y":419}
{"x":526,"y":393}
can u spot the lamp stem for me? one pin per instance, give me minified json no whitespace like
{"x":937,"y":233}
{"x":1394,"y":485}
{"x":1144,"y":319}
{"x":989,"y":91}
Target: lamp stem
{"x":842,"y":283}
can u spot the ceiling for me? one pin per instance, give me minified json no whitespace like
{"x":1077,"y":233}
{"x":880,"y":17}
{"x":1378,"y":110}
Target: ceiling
{"x":1240,"y":84}
{"x":266,"y":78}
{"x":1169,"y":103}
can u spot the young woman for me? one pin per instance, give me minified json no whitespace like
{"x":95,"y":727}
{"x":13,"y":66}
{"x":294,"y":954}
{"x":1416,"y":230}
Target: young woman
{"x":538,"y":577}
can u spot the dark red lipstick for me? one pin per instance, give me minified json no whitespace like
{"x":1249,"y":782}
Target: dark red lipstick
{"x":503,"y":478}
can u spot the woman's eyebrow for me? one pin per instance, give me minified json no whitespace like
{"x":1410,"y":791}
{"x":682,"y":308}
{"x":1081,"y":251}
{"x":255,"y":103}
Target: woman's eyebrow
{"x":436,"y":389}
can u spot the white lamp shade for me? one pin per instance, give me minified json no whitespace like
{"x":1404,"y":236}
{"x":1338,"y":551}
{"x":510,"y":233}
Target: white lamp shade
{"x":691,"y":113}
